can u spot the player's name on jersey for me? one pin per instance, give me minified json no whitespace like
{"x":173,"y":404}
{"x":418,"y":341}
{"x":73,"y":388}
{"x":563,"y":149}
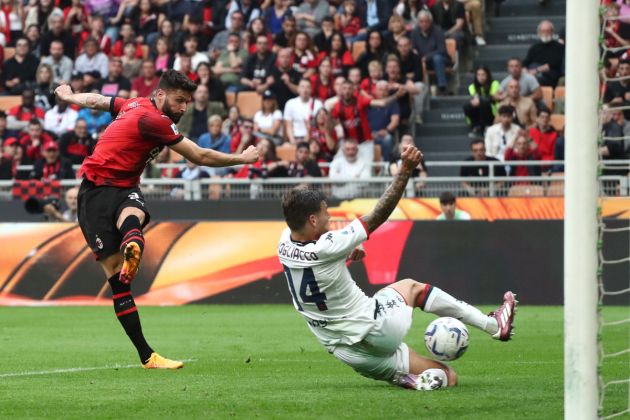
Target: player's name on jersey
{"x":291,"y":251}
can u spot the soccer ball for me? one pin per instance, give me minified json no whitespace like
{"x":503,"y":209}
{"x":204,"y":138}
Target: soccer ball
{"x":446,"y":338}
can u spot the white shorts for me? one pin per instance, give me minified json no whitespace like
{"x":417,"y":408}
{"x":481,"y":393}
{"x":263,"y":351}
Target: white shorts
{"x":382,"y":352}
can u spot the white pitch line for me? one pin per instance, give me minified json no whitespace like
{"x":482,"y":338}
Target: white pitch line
{"x":74,"y":370}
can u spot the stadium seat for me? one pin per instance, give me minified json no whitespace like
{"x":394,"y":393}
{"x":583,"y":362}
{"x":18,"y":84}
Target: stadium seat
{"x":230,"y":98}
{"x":559,"y":92}
{"x":248,"y":103}
{"x":9,"y":52}
{"x":286,"y":152}
{"x":526,"y":191}
{"x":557,"y":122}
{"x":547,"y":96}
{"x":556,"y":188}
{"x":358,"y":47}
{"x":8,"y":102}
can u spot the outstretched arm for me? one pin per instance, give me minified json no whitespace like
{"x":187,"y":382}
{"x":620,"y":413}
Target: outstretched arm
{"x":387,"y":203}
{"x":84,"y":100}
{"x":208,"y":157}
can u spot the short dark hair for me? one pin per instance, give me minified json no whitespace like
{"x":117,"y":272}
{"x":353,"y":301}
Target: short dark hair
{"x":477,"y":141}
{"x":35,"y":121}
{"x":191,"y":37}
{"x":506,"y":110}
{"x":626,"y":61}
{"x":299,"y":203}
{"x":302,"y":145}
{"x":515,"y":59}
{"x":328,"y":19}
{"x":172,"y":80}
{"x":544,"y":110}
{"x":447,"y":197}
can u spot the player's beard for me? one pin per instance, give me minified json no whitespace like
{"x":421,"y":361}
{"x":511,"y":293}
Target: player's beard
{"x":175,"y":117}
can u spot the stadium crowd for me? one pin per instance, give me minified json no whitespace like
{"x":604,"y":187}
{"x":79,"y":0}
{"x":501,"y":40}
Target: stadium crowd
{"x":340,"y":82}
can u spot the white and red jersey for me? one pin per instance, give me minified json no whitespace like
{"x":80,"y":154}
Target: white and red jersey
{"x":335,"y":308}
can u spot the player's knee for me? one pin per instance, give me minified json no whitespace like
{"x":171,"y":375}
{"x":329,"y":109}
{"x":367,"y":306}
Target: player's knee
{"x":415,"y":287}
{"x":130,"y":211}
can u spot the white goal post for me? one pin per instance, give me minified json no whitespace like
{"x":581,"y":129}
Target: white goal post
{"x":581,"y":220}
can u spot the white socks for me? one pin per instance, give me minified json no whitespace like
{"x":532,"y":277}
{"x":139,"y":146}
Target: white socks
{"x":443,"y":304}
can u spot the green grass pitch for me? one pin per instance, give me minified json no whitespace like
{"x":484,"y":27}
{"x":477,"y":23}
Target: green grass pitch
{"x":262,"y":362}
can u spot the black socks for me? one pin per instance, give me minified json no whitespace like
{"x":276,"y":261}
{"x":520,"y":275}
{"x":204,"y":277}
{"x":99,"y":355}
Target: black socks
{"x":131,"y":230}
{"x":127,"y":313}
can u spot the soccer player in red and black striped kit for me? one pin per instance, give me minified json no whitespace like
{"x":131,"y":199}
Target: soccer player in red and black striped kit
{"x":111,"y":207}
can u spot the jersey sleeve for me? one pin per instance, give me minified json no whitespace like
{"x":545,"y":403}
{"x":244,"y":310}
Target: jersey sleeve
{"x":159,"y":129}
{"x":115,"y":105}
{"x":363,"y":102}
{"x":339,"y":243}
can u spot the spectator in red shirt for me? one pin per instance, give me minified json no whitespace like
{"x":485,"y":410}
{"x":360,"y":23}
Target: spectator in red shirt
{"x":243,"y":138}
{"x":544,"y":135}
{"x":144,"y":19}
{"x":144,"y":85}
{"x":322,"y":82}
{"x":351,"y":114}
{"x":340,"y":57}
{"x":522,"y":150}
{"x":322,"y":130}
{"x":368,"y":85}
{"x":33,"y":141}
{"x":127,"y":34}
{"x":7,"y":164}
{"x":304,"y":60}
{"x":97,"y":31}
{"x":51,"y":166}
{"x":76,"y":18}
{"x":303,"y":166}
{"x":314,"y":153}
{"x":267,"y":166}
{"x":77,"y":144}
{"x":257,"y":27}
{"x":349,"y":22}
{"x":19,"y":116}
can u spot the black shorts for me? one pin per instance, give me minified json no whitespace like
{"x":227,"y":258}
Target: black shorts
{"x":99,"y":208}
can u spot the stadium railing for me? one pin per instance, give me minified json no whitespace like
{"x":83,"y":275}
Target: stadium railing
{"x":273,"y":188}
{"x":383,"y":167}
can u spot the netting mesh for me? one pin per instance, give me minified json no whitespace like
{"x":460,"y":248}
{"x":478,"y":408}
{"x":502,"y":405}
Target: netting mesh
{"x":613,"y":244}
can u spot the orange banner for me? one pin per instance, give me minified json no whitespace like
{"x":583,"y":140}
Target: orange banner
{"x":50,"y":264}
{"x":535,"y":208}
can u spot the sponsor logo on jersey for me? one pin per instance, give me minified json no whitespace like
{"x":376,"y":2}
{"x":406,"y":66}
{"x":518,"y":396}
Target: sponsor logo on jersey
{"x":174,"y":128}
{"x":329,"y":237}
{"x":289,"y":251}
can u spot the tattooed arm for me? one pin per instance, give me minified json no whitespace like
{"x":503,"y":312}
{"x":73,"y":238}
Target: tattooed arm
{"x":387,"y":203}
{"x":84,"y":100}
